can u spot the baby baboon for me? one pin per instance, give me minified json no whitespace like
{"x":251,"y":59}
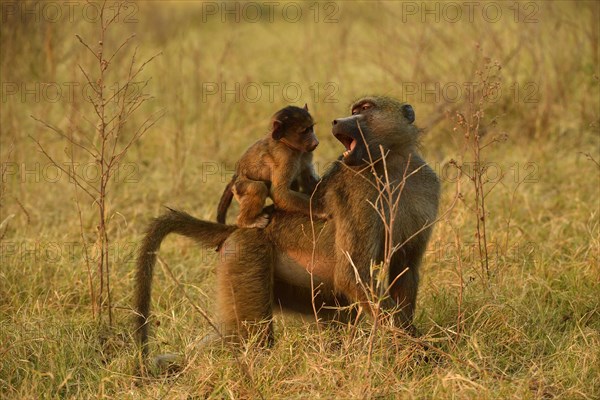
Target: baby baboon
{"x":276,"y":165}
{"x":282,"y":264}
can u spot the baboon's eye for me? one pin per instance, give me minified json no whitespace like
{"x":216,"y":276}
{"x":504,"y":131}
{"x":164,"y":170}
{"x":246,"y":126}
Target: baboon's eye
{"x":363,"y":107}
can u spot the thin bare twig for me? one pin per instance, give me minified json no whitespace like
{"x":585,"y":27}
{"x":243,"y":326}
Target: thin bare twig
{"x":103,"y":146}
{"x":88,"y":47}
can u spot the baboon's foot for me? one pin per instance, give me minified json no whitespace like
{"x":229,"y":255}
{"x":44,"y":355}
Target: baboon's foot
{"x":209,"y":340}
{"x":166,"y":364}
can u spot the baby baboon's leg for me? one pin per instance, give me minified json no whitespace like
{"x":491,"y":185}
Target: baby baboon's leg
{"x":251,"y":195}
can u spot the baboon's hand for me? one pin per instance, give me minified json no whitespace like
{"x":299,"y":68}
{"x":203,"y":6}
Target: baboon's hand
{"x":260,"y":222}
{"x":320,"y":215}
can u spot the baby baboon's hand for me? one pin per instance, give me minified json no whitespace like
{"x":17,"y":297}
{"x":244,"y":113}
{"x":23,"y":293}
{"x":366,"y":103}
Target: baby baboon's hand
{"x":260,"y":222}
{"x":320,"y":215}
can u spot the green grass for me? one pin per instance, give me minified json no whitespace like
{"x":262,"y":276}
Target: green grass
{"x":533,"y":334}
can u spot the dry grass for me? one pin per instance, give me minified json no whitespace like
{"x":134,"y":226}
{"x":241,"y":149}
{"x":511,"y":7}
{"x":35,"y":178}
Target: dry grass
{"x":531,"y":331}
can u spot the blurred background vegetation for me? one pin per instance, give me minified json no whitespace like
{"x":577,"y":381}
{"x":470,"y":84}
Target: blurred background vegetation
{"x":224,"y":68}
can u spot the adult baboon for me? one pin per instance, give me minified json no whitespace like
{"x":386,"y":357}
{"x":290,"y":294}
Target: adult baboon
{"x":262,"y":267}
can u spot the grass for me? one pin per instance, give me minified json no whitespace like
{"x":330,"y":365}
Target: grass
{"x":533,"y":333}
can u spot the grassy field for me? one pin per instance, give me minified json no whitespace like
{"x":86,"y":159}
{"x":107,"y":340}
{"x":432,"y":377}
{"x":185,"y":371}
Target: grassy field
{"x":529,"y":331}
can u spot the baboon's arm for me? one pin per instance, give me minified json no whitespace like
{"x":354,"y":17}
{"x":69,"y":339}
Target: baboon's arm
{"x":283,"y":197}
{"x":308,"y":178}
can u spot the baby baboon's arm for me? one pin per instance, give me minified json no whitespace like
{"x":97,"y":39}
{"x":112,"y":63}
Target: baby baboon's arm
{"x":285,"y":198}
{"x":308,"y":175}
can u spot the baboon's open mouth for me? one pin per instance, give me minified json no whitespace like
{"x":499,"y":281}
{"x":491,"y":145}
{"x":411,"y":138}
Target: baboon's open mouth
{"x":348,"y":142}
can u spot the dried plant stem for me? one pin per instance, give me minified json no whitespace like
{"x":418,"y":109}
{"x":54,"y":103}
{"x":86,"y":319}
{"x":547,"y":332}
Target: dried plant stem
{"x":106,"y":148}
{"x":471,"y":127}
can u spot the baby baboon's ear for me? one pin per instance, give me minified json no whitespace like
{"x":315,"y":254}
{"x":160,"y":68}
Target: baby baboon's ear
{"x":276,"y":130}
{"x":408,"y":113}
{"x":306,"y":106}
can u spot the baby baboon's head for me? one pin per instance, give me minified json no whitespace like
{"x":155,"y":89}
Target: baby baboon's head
{"x":294,"y":126}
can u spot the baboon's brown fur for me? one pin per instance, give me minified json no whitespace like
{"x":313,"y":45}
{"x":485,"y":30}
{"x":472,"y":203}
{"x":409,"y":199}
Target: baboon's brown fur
{"x":261,"y":268}
{"x":274,"y":166}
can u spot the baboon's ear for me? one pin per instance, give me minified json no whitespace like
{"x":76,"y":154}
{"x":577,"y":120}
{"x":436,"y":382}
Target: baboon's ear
{"x":276,"y":130}
{"x":306,"y":106}
{"x":408,"y":113}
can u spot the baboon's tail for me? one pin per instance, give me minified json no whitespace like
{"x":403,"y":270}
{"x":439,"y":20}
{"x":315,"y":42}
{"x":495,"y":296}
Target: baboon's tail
{"x":206,"y":233}
{"x":225,"y":202}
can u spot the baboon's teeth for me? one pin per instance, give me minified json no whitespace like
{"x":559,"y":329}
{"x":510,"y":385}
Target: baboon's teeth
{"x":346,"y":153}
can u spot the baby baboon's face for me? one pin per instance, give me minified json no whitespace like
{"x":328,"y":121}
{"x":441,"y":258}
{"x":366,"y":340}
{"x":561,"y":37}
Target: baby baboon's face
{"x":294,"y":126}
